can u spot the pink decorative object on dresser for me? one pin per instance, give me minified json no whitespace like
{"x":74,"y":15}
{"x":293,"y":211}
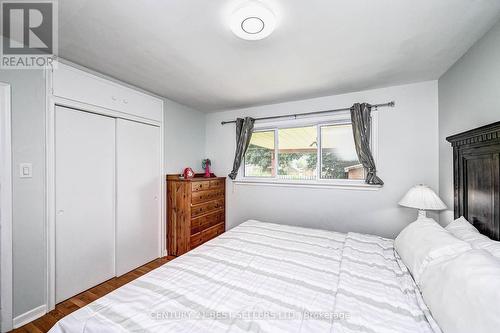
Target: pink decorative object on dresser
{"x":205,"y":164}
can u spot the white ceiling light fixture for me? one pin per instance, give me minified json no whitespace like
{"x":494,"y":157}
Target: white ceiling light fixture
{"x":253,"y":21}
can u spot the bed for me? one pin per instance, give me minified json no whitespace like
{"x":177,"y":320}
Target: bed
{"x":263,"y":277}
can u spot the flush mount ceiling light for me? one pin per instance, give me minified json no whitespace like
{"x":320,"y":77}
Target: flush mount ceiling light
{"x":253,"y":22}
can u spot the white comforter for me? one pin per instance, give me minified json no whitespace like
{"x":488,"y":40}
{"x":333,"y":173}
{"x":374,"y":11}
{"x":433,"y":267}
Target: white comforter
{"x":262,"y":277}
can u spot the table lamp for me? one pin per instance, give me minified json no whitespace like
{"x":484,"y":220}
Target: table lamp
{"x":423,"y":198}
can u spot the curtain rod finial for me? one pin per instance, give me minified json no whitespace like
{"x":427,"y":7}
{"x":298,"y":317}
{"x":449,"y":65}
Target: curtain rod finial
{"x":392,"y":104}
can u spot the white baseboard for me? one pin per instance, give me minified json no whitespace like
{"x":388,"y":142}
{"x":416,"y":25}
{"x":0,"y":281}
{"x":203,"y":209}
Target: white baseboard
{"x":29,"y":316}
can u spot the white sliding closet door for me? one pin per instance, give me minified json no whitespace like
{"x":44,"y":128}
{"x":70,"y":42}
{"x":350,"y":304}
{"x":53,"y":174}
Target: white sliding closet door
{"x":138,"y":195}
{"x":85,"y":201}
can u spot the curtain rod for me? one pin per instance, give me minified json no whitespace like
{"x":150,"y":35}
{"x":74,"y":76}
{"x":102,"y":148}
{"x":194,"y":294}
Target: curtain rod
{"x":376,"y":106}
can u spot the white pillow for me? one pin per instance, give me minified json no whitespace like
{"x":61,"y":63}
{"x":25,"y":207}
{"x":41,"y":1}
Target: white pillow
{"x":462,"y":229}
{"x":463,"y":293}
{"x":485,"y":243}
{"x":461,"y":226}
{"x":425,"y":241}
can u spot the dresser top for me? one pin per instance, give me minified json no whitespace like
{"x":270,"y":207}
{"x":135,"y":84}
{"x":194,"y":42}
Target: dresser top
{"x":197,"y":178}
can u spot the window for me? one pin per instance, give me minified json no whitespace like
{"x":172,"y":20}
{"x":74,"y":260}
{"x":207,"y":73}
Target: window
{"x":260,"y":155}
{"x":316,"y":153}
{"x":297,"y":153}
{"x":338,"y":153}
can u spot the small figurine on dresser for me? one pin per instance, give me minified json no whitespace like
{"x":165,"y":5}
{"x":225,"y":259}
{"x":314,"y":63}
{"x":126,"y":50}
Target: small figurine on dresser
{"x":188,"y":173}
{"x":205,"y":164}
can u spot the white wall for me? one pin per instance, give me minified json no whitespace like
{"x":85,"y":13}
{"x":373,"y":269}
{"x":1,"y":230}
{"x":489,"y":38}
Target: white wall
{"x":184,"y":138}
{"x":28,"y":198}
{"x":408,"y":155}
{"x":469,"y":97}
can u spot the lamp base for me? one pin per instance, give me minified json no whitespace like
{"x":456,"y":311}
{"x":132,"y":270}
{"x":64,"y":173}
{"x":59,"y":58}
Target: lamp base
{"x":422,"y":214}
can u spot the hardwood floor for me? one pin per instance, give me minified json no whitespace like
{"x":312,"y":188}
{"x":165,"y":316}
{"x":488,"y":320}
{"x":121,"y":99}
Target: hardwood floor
{"x":45,"y":323}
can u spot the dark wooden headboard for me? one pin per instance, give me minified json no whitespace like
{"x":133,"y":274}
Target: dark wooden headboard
{"x":476,"y":169}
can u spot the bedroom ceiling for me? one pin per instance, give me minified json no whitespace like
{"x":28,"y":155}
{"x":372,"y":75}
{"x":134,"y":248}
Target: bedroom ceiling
{"x":185,"y":50}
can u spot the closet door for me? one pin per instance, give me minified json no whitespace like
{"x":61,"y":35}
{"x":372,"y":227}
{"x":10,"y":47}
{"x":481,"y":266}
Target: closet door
{"x":85,"y":192}
{"x":138,"y":195}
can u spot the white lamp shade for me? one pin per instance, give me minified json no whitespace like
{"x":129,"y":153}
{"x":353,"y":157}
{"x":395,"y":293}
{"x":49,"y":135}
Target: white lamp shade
{"x":422,"y":197}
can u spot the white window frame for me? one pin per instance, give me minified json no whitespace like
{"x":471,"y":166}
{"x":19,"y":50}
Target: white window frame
{"x":336,"y":119}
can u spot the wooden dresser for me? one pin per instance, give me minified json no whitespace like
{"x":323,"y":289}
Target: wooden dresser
{"x":195,"y":211}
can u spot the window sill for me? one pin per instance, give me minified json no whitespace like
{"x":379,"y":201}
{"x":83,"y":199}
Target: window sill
{"x":343,"y":185}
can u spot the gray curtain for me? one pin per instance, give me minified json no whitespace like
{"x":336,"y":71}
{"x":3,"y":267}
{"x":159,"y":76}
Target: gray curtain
{"x":244,"y":128}
{"x":361,"y":119}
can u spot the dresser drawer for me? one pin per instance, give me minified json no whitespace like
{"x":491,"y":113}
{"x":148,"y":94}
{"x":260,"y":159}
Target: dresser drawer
{"x":206,"y":221}
{"x":216,"y":183}
{"x":212,"y":232}
{"x":204,"y":196}
{"x":221,"y":228}
{"x":200,"y":186}
{"x":206,"y":235}
{"x":207,"y":207}
{"x":195,"y":240}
